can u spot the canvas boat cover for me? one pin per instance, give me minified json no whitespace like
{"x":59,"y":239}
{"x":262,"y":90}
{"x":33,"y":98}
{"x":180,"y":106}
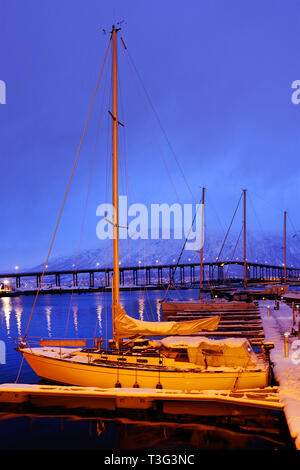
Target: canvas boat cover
{"x":126,"y":326}
{"x":231,"y":352}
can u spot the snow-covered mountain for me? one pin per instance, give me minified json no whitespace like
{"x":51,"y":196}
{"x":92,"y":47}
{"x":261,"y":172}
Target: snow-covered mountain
{"x":264,"y":249}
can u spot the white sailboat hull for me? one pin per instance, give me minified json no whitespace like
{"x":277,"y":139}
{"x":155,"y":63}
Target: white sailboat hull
{"x":106,"y":376}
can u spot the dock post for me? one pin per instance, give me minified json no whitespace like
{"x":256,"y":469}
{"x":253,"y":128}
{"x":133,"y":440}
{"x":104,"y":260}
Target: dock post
{"x":286,"y":344}
{"x":268,"y":310}
{"x":294,"y":317}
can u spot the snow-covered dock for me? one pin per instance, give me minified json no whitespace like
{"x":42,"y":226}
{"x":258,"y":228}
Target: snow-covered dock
{"x":286,"y":358}
{"x":197,"y":403}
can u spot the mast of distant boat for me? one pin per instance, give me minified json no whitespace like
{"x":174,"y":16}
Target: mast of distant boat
{"x":245,"y":248}
{"x":284,"y":246}
{"x":115,"y":281}
{"x":202,"y":242}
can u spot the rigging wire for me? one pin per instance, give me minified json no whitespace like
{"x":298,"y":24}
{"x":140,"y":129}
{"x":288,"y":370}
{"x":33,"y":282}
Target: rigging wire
{"x":228,"y":230}
{"x":87,"y":199}
{"x":151,"y":126}
{"x":159,"y":121}
{"x":180,"y":255}
{"x":66,"y":193}
{"x":234,"y":250}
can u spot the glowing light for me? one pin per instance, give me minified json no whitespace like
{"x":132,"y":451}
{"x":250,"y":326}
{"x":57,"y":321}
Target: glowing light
{"x":16,"y":268}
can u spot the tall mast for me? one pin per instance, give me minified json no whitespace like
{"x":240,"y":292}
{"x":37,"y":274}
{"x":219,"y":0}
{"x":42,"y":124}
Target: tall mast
{"x":115,"y":289}
{"x":245,"y":248}
{"x":202,"y":241}
{"x":284,"y":247}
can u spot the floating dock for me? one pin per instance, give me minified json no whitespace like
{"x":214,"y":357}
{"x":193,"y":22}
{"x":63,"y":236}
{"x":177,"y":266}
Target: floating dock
{"x":169,"y":402}
{"x":278,"y":326}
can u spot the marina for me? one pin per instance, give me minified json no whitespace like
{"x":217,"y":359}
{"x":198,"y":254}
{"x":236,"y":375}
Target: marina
{"x":197,"y":407}
{"x":135,"y":315}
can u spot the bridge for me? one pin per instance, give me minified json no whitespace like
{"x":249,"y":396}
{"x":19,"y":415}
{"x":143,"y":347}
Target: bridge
{"x":182,"y":275}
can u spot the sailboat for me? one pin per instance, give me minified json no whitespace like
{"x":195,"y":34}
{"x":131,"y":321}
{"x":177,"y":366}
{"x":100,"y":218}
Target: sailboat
{"x":181,"y":359}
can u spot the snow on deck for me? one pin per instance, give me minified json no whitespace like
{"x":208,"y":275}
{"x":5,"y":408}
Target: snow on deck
{"x":286,"y":369}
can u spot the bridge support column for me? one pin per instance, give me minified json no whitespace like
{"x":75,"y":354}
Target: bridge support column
{"x":159,"y":276}
{"x":92,"y":279}
{"x":107,"y":279}
{"x":148,"y":276}
{"x":75,"y":280}
{"x":57,"y":280}
{"x":220,"y":273}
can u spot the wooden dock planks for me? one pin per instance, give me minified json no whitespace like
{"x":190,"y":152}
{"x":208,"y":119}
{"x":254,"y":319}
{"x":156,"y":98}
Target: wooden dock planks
{"x":238,"y":319}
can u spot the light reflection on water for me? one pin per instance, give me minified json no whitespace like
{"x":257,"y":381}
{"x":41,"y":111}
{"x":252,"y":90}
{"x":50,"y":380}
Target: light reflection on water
{"x":121,"y":434}
{"x":48,"y":318}
{"x":141,"y":308}
{"x":6,"y":309}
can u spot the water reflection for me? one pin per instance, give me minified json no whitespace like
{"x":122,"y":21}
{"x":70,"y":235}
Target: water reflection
{"x":48,"y":319}
{"x":18,"y":314}
{"x":125,"y":434}
{"x":158,"y":309}
{"x":99,"y":316}
{"x":6,"y":309}
{"x":141,"y":308}
{"x":75,"y":318}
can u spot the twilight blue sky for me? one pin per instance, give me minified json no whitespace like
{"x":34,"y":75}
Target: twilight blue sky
{"x":219,"y":74}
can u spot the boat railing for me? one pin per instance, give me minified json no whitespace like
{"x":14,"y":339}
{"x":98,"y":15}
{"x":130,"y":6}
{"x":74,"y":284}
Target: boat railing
{"x":37,"y":341}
